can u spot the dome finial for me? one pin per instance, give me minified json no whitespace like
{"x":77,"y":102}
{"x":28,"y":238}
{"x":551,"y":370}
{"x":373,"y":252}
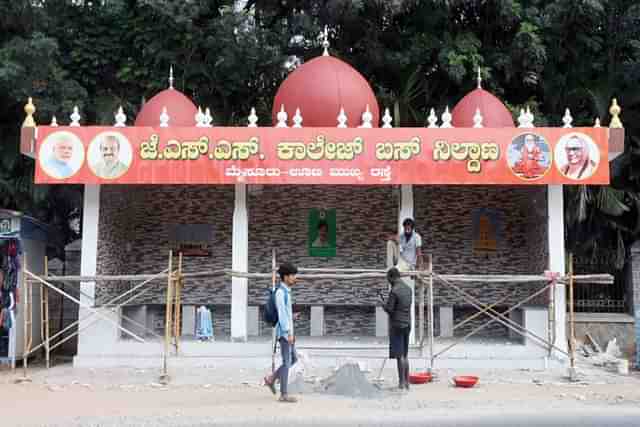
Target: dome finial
{"x":171,"y":77}
{"x":325,"y":41}
{"x":479,"y":78}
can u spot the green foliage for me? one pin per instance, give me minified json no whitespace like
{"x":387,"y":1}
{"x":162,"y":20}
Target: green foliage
{"x":417,"y":54}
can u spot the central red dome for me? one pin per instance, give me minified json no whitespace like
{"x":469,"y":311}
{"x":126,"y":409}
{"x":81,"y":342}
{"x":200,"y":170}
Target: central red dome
{"x":494,"y":113}
{"x":180,"y":109}
{"x":319,"y":88}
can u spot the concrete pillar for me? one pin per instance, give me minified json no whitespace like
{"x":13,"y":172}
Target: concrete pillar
{"x":317,"y":321}
{"x":536,"y":320}
{"x":517,"y":316}
{"x":382,"y":323}
{"x":89,"y":260}
{"x":240,"y":261}
{"x":253,"y":321}
{"x":406,"y":211}
{"x":446,"y":321}
{"x":555,"y":211}
{"x":189,"y":320}
{"x":139,"y":315}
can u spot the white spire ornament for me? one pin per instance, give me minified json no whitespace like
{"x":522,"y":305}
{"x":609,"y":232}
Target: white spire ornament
{"x":325,"y":41}
{"x":164,"y":118}
{"x":387,"y":119}
{"x":597,"y":123}
{"x":367,"y":118}
{"x":530,"y":117}
{"x":567,"y":119}
{"x":121,"y":118}
{"x":282,"y":118}
{"x":75,"y":117}
{"x":54,"y":122}
{"x":522,"y":120}
{"x":446,"y":118}
{"x":208,"y":118}
{"x":479,"y":78}
{"x":171,"y":77}
{"x":297,"y":119}
{"x":477,"y":119}
{"x":253,"y":118}
{"x":342,"y":119}
{"x":199,"y":118}
{"x":432,"y":119}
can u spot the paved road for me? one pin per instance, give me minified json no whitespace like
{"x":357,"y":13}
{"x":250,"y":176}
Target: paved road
{"x":596,"y":417}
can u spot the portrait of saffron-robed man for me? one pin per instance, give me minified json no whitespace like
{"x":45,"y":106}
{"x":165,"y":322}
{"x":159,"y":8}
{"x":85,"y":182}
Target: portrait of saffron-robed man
{"x":109,"y":155}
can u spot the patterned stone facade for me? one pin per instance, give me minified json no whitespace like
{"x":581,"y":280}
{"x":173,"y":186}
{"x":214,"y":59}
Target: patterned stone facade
{"x":278,"y":219}
{"x":444,"y":218}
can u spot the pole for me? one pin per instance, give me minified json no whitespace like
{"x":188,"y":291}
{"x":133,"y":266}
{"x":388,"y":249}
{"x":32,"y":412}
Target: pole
{"x":25,"y":320}
{"x":273,"y":332}
{"x":44,"y":316}
{"x":572,"y":335}
{"x":164,"y":378}
{"x":178,"y":305}
{"x":430,"y":270}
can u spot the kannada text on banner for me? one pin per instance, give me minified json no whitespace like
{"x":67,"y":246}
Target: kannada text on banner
{"x":145,"y":155}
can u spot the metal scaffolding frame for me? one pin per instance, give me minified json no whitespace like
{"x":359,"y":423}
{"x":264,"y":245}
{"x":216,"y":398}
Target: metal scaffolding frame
{"x":175,"y":277}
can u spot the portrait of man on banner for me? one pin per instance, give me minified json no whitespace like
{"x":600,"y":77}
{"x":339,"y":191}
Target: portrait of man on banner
{"x":322,"y":233}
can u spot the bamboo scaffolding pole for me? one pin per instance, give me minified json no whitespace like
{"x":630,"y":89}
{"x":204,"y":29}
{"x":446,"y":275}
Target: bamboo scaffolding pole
{"x":25,"y":322}
{"x":595,"y":279}
{"x":498,"y":317}
{"x":431,"y":337}
{"x":484,"y":325}
{"x":421,"y":325}
{"x":107,"y":305}
{"x":167,"y":324}
{"x":572,"y":332}
{"x":552,"y":316}
{"x":178,"y":305}
{"x":44,"y":316}
{"x":85,"y":306}
{"x":273,"y":331}
{"x":480,"y":313}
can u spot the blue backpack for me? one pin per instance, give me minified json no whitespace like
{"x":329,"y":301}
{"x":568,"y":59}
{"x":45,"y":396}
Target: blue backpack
{"x":270,"y":309}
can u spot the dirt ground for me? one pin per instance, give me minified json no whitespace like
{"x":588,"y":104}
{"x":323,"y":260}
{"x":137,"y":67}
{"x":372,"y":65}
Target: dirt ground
{"x":64,"y":395}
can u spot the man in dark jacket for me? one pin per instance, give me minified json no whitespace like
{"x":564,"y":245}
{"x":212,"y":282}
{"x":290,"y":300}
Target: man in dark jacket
{"x":398,"y":307}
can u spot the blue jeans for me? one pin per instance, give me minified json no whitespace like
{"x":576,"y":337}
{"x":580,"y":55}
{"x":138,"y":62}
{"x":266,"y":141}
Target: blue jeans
{"x":289,"y":358}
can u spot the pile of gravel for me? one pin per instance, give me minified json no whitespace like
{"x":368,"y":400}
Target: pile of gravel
{"x":349,"y":381}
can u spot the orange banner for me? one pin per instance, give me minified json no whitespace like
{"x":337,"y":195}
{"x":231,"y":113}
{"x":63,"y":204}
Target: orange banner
{"x":144,"y":155}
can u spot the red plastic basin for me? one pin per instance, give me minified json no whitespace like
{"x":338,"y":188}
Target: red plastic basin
{"x":420,"y":377}
{"x":465,"y":381}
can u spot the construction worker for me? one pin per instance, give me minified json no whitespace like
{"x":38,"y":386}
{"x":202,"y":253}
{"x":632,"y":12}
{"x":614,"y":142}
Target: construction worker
{"x":398,"y":307}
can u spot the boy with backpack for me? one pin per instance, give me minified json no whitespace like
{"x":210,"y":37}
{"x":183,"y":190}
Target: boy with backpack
{"x":278,"y":313}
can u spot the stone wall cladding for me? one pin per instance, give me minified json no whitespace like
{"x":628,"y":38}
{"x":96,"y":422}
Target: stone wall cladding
{"x":444,"y":218}
{"x":142,"y":215}
{"x":362,"y":215}
{"x":349,"y":321}
{"x":278,"y":219}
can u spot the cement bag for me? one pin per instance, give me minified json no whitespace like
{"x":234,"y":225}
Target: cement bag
{"x":301,"y":368}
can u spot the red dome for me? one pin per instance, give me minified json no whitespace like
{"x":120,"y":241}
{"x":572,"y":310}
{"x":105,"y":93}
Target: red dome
{"x":180,"y":109}
{"x":494,"y":113}
{"x":319,"y":88}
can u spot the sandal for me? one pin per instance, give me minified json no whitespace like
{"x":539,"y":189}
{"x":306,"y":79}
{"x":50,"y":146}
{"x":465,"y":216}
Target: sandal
{"x":270,"y":384}
{"x":287,"y":399}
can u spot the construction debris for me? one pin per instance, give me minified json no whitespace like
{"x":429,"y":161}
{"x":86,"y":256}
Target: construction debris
{"x":349,"y":381}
